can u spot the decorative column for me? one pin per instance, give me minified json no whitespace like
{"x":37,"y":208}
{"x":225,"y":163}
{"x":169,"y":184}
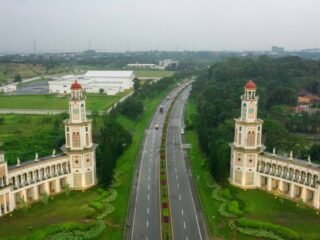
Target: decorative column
{"x":291,"y":190}
{"x":281,"y":186}
{"x":269,"y":186}
{"x":35,"y":192}
{"x":58,"y":187}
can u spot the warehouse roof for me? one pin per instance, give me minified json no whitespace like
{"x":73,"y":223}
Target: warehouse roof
{"x":111,"y":74}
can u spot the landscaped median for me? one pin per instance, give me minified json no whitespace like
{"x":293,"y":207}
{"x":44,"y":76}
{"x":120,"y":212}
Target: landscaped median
{"x":166,"y":229}
{"x":166,"y":226}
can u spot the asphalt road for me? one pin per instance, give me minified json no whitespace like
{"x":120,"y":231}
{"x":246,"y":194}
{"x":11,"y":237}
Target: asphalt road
{"x":187,"y":219}
{"x":143,"y":221}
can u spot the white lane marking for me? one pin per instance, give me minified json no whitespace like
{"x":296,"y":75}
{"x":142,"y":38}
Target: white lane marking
{"x":177,"y":177}
{"x":148,"y":210}
{"x":184,"y":225}
{"x":139,"y":180}
{"x":182,"y":213}
{"x":149,"y":178}
{"x":176,"y":169}
{"x":189,"y":187}
{"x":148,"y":187}
{"x":179,"y":197}
{"x":178,"y":185}
{"x":147,"y":238}
{"x":149,"y":170}
{"x":148,"y":197}
{"x":187,"y":238}
{"x":147,"y":223}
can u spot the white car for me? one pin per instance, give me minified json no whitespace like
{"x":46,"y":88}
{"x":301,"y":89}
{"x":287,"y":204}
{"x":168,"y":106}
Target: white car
{"x":156,"y":126}
{"x":182,"y":131}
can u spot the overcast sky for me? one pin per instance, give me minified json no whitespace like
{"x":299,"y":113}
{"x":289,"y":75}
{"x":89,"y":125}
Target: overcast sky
{"x":120,"y":25}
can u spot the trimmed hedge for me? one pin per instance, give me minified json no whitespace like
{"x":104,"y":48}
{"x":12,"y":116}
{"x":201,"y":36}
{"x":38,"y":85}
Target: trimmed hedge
{"x":216,"y":195}
{"x":224,"y":212}
{"x":233,"y":207}
{"x":96,"y":205}
{"x":226,"y":193}
{"x":283,"y":232}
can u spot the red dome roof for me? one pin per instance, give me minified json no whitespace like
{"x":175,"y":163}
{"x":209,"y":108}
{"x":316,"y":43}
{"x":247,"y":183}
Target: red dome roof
{"x":250,"y":85}
{"x":75,"y":86}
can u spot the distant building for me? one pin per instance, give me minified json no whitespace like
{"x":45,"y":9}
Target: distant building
{"x":251,"y":167}
{"x":75,"y":167}
{"x":276,"y":49}
{"x":108,"y":82}
{"x":169,"y":63}
{"x":306,"y":102}
{"x":306,"y":97}
{"x":164,"y":64}
{"x":143,"y":66}
{"x":9,"y":88}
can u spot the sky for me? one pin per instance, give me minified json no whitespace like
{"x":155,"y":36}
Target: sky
{"x":139,"y":25}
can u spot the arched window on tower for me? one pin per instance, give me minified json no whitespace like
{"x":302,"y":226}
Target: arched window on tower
{"x":83,"y":116}
{"x":87,"y":139}
{"x":251,"y":139}
{"x":76,"y":139}
{"x":258,"y":139}
{"x":235,"y":135}
{"x":68,"y":139}
{"x":244,"y":111}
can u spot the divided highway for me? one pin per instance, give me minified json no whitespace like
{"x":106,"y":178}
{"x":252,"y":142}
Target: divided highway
{"x":143,"y":220}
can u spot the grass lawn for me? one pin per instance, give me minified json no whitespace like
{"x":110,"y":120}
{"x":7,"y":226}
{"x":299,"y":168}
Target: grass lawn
{"x":95,"y":102}
{"x":23,"y":135}
{"x":257,"y":205}
{"x":152,"y":73}
{"x":75,"y":208}
{"x":61,"y":209}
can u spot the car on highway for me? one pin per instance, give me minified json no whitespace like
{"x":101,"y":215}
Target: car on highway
{"x":156,"y":126}
{"x":182,"y":131}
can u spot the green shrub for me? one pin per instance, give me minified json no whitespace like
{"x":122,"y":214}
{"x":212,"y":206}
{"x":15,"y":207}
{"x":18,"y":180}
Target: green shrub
{"x":216,"y":195}
{"x":223,"y":211}
{"x":165,"y":212}
{"x":226,"y":193}
{"x":285,"y":233}
{"x":97,"y":205}
{"x":233,"y":207}
{"x":259,"y":233}
{"x":90,"y":232}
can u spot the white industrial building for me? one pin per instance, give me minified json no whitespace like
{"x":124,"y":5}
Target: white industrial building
{"x":12,"y":87}
{"x":108,"y":82}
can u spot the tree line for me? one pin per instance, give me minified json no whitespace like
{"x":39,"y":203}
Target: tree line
{"x":217,"y":95}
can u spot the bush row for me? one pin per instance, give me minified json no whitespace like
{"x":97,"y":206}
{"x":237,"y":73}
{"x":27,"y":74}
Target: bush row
{"x":281,"y":231}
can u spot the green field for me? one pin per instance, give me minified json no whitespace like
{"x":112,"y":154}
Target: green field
{"x":257,"y":205}
{"x":76,"y":208}
{"x":23,"y":135}
{"x":152,"y":73}
{"x":95,"y":102}
{"x":60,"y":209}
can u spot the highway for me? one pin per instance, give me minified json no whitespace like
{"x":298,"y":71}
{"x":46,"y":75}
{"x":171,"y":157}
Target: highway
{"x":143,"y":221}
{"x":187,"y":219}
